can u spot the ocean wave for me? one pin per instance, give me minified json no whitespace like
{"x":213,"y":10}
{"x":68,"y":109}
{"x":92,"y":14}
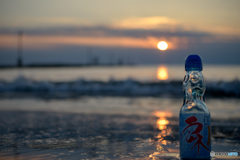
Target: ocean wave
{"x":128,"y":87}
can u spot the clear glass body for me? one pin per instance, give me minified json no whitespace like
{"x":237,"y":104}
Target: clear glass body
{"x":194,"y":88}
{"x":198,"y":129}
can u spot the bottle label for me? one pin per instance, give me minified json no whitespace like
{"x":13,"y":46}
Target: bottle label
{"x":195,"y":136}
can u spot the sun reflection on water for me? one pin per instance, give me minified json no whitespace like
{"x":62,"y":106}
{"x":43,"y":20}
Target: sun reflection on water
{"x":161,"y":140}
{"x":162,"y":73}
{"x":161,"y":123}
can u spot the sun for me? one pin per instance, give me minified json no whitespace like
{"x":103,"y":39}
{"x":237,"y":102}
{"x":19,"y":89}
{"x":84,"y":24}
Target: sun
{"x":162,"y":45}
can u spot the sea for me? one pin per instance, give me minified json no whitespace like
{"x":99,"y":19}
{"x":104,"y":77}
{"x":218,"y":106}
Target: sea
{"x":110,"y":112}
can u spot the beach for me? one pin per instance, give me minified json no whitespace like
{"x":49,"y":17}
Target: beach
{"x":109,"y":113}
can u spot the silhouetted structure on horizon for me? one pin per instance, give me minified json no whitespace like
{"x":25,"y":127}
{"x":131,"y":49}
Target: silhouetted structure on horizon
{"x":19,"y":59}
{"x":91,"y":59}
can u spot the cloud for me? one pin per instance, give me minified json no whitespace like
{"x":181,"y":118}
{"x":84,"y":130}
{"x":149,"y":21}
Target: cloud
{"x":172,"y":25}
{"x":69,"y":21}
{"x":130,"y":36}
{"x":38,"y":41}
{"x":29,"y":22}
{"x":154,"y":22}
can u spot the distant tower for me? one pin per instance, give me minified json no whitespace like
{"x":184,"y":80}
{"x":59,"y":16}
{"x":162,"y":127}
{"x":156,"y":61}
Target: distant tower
{"x":95,"y":61}
{"x":120,"y":61}
{"x":89,"y":56}
{"x":19,"y":60}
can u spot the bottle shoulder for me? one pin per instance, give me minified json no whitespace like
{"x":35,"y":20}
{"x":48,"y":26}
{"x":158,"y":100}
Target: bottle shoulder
{"x":195,"y":107}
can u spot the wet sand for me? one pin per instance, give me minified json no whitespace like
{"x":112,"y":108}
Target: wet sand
{"x":58,"y":135}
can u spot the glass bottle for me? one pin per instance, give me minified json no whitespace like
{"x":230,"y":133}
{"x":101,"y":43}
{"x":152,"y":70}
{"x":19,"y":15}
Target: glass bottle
{"x":194,"y":116}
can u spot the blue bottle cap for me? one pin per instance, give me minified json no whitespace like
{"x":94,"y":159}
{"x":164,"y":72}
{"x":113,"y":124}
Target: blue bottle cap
{"x":193,"y":63}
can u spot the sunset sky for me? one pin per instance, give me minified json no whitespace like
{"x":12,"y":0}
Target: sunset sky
{"x":57,"y":31}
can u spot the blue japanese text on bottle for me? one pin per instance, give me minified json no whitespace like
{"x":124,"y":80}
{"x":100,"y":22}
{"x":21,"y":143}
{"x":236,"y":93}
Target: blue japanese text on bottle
{"x":194,"y":117}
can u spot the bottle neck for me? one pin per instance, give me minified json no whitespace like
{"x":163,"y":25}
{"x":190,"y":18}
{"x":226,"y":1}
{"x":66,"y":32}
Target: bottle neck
{"x":194,"y":87}
{"x":188,"y":98}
